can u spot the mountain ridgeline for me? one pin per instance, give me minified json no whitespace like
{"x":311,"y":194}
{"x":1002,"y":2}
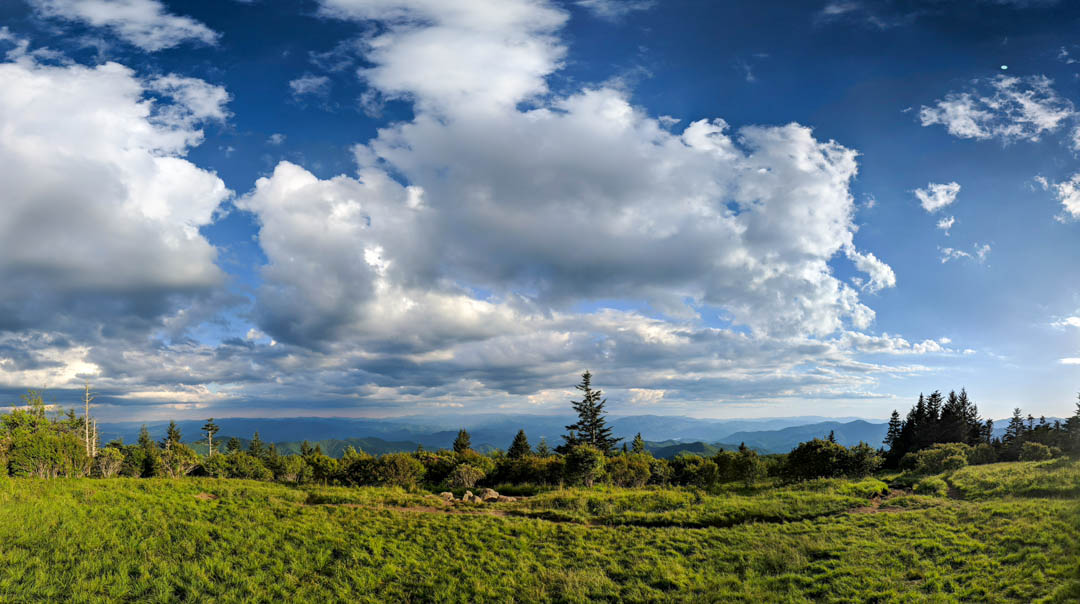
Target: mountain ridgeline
{"x":668,"y":435}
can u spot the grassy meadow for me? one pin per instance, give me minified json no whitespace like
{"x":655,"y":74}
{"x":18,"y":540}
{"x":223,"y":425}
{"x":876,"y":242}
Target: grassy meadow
{"x":1001,"y":532}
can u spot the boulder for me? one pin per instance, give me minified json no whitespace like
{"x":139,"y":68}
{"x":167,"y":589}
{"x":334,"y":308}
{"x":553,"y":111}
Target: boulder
{"x":447,"y":496}
{"x":489,"y":495}
{"x":468,"y":497}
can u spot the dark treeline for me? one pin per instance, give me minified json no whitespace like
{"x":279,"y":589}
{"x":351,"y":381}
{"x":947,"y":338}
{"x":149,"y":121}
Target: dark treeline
{"x":939,"y":433}
{"x":939,"y":423}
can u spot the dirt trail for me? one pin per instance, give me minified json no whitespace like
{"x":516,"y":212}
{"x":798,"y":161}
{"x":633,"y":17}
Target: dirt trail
{"x":877,"y":500}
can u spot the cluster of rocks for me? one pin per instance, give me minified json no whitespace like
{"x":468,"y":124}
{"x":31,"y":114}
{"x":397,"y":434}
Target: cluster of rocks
{"x":485,"y":496}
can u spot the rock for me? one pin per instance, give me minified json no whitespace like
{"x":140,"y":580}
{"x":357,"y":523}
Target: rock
{"x":447,"y":496}
{"x":468,"y":497}
{"x":505,"y":499}
{"x":489,"y":495}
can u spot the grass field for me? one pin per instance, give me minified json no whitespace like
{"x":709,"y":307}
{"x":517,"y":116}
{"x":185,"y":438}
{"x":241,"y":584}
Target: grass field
{"x":1006,"y":532}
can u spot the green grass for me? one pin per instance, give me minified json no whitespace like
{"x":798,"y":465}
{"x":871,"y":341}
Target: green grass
{"x":1057,"y":478}
{"x":204,"y":540}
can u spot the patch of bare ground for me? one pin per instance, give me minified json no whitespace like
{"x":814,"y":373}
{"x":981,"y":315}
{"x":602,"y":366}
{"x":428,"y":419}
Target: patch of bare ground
{"x":875,"y":503}
{"x":206,"y":497}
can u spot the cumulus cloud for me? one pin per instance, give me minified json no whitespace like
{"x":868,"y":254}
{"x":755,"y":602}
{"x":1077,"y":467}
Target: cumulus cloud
{"x":475,"y":53}
{"x":101,"y":210}
{"x":1007,"y":108}
{"x":143,"y":23}
{"x":1067,"y":192}
{"x":946,"y":223}
{"x":937,"y":195}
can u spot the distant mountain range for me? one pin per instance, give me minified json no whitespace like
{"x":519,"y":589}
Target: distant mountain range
{"x":666,"y":433}
{"x":666,"y":436}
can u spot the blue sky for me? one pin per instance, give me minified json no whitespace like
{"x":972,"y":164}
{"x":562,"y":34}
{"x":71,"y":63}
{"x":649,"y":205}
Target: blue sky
{"x":395,"y":207}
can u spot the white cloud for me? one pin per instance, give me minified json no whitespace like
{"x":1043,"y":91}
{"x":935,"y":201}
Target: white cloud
{"x":470,"y":55}
{"x":881,"y":274}
{"x":1007,"y":108}
{"x":615,"y":9}
{"x":936,"y":196}
{"x":276,"y":139}
{"x":310,"y":85}
{"x":978,"y":254}
{"x":1067,"y":322}
{"x":1070,"y":361}
{"x":101,"y":211}
{"x":1067,"y":192}
{"x":144,"y":23}
{"x":946,"y":223}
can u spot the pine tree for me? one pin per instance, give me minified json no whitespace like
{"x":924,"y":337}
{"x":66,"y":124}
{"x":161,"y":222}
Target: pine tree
{"x":831,"y":438}
{"x":543,"y":450}
{"x":172,"y":436}
{"x":463,"y":442}
{"x":256,"y":446}
{"x":1014,"y":432}
{"x":895,"y":425}
{"x":233,"y":445}
{"x":145,"y":442}
{"x":591,"y":428}
{"x":211,"y":429}
{"x":520,"y":447}
{"x":305,"y":449}
{"x":638,"y":446}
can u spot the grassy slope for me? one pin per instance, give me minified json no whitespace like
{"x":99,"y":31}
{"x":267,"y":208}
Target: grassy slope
{"x":155,"y":540}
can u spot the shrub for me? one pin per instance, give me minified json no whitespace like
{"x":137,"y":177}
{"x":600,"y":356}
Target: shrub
{"x":1035,"y":452}
{"x":660,"y":472}
{"x":932,"y":485}
{"x":46,"y":454}
{"x":584,"y":465}
{"x":748,"y":467}
{"x":216,"y":466}
{"x":242,"y":464}
{"x":980,"y":454}
{"x":399,"y":470}
{"x":630,"y":470}
{"x":324,"y":469}
{"x":815,"y":459}
{"x":357,"y":469}
{"x":179,"y":460}
{"x":942,"y":457}
{"x":108,"y":462}
{"x":465,"y":476}
{"x":288,"y":468}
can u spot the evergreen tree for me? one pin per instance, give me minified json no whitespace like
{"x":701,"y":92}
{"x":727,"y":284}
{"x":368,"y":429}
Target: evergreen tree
{"x":256,"y":447}
{"x":520,"y":447}
{"x":831,"y":438}
{"x":638,"y":446}
{"x":305,"y":449}
{"x":463,"y":442}
{"x":145,"y":442}
{"x":1014,"y":432}
{"x":211,"y":429}
{"x":543,"y":450}
{"x":1072,"y":429}
{"x":895,"y":425}
{"x":172,"y":436}
{"x":233,"y":445}
{"x":591,"y":428}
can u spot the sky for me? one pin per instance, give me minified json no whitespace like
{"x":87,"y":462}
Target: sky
{"x":377,"y":208}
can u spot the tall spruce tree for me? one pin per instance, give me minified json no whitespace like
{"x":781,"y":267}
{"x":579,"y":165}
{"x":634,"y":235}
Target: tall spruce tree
{"x":543,"y":450}
{"x":463,"y":442}
{"x":520,"y":447}
{"x":895,"y":425}
{"x":172,"y":436}
{"x":638,"y":446}
{"x":591,"y":427}
{"x":256,"y":447}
